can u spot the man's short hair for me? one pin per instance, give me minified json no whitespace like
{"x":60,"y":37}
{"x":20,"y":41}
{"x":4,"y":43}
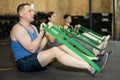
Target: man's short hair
{"x":21,"y":7}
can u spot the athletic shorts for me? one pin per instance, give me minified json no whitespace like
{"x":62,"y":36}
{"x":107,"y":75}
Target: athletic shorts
{"x":55,"y":43}
{"x":29,"y":64}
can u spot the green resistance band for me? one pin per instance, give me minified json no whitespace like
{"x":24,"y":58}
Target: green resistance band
{"x":74,"y":42}
{"x":92,"y":40}
{"x":86,"y":29}
{"x":82,"y":28}
{"x":67,"y":32}
{"x":73,"y":49}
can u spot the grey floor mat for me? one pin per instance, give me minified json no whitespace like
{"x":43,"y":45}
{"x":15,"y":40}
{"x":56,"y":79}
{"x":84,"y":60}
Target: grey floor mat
{"x":58,"y":71}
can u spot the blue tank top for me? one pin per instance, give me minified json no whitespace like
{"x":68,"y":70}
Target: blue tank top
{"x":18,"y":50}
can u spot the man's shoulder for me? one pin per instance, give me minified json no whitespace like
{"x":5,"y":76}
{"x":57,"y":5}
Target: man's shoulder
{"x":17,"y":28}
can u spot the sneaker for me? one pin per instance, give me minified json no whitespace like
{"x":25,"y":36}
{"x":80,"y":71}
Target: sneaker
{"x":94,"y":72}
{"x":109,"y":52}
{"x":107,"y":37}
{"x":101,"y":63}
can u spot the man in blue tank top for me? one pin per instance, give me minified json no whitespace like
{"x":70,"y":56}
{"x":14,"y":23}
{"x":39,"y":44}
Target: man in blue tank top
{"x":27,"y":45}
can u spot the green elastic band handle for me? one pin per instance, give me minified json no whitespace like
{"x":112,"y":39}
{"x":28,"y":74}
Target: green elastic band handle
{"x":67,"y":32}
{"x":73,"y":49}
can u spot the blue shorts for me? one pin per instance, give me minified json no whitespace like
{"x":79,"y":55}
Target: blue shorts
{"x":29,"y":64}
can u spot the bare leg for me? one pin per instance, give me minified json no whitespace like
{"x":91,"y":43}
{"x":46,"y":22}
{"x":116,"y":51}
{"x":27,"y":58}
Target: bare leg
{"x":47,"y":56}
{"x":86,"y":34}
{"x":67,"y":50}
{"x":97,"y":36}
{"x":103,"y":45}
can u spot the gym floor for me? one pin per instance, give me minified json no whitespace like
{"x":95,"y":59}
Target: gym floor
{"x":56,"y":71}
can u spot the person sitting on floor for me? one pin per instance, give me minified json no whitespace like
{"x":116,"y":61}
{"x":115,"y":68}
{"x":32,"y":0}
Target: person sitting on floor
{"x":27,"y":45}
{"x":67,"y":18}
{"x":51,"y":19}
